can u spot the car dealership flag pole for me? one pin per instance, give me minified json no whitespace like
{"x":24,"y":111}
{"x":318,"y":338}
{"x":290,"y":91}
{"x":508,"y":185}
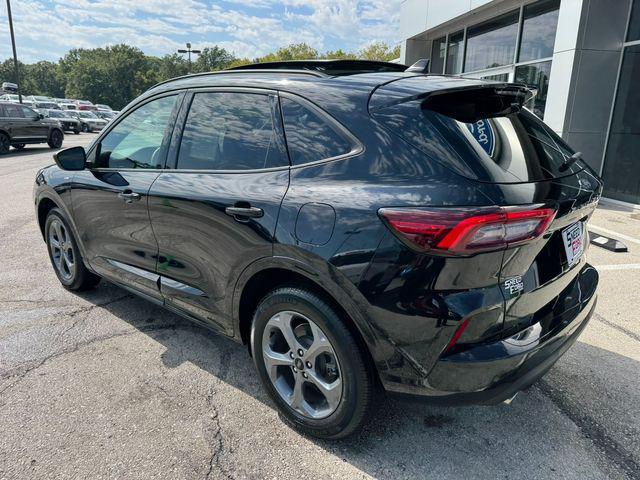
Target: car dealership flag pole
{"x":13,"y":45}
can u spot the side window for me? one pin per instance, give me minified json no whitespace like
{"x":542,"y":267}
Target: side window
{"x":27,"y":112}
{"x":229,"y":131}
{"x":309,"y":136}
{"x":3,"y":113}
{"x":136,"y":141}
{"x":14,"y":111}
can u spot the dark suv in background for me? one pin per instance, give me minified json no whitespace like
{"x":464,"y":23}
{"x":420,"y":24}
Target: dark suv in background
{"x":360,"y":227}
{"x":20,"y":125}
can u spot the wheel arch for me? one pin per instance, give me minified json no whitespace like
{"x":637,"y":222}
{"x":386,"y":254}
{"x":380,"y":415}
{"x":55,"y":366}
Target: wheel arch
{"x":266,"y":275}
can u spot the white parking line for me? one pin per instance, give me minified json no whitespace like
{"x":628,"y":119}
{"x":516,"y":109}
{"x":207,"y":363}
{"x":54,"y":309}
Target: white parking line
{"x":622,"y":266}
{"x":616,"y":235}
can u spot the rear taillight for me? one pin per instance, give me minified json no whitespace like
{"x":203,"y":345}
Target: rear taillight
{"x":468,"y":230}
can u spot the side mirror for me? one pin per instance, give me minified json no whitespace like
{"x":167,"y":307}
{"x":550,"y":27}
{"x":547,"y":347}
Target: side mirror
{"x":73,"y":158}
{"x":40,"y":116}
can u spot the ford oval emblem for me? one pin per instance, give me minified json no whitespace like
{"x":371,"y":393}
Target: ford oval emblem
{"x":482,"y":131}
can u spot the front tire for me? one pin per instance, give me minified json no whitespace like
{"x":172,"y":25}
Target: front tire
{"x":76,"y":132}
{"x":311,"y":364}
{"x":65,"y":255}
{"x":55,"y":138}
{"x":85,"y":128}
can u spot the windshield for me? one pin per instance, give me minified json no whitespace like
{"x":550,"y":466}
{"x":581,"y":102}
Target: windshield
{"x":85,"y":114}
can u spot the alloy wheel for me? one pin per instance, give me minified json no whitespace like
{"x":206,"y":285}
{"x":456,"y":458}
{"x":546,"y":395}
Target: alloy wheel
{"x":61,"y":248}
{"x":302,"y":364}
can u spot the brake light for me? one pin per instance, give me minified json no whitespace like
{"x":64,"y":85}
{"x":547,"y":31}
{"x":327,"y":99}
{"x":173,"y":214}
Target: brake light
{"x":469,"y":230}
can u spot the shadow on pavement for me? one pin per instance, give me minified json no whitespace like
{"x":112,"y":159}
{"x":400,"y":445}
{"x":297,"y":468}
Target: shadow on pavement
{"x":534,"y":437}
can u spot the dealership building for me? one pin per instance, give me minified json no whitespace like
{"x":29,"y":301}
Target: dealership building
{"x":583,"y":56}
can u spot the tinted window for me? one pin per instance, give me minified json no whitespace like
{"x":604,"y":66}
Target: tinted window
{"x":229,"y":131}
{"x":136,"y":141}
{"x":310,"y":137}
{"x":539,"y":30}
{"x":27,"y":112}
{"x":507,"y":149}
{"x":454,"y":54}
{"x":14,"y":111}
{"x":537,"y":75}
{"x":437,"y":55}
{"x":492,"y":44}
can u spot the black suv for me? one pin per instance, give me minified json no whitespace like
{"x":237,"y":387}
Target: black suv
{"x":360,"y":227}
{"x":20,"y":125}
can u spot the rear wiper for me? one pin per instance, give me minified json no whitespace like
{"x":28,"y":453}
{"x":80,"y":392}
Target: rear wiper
{"x":571,"y":160}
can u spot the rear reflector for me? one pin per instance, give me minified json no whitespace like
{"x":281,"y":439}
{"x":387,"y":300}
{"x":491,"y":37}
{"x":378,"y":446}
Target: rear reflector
{"x":468,"y":230}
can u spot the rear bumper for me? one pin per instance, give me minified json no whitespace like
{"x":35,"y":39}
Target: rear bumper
{"x":491,"y":373}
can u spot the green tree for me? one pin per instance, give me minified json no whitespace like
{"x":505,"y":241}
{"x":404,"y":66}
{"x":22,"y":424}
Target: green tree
{"x":42,"y":78}
{"x":114,"y":75}
{"x":295,"y":51}
{"x":169,"y":66}
{"x":213,"y":58}
{"x":338,"y":55}
{"x":379,"y":51}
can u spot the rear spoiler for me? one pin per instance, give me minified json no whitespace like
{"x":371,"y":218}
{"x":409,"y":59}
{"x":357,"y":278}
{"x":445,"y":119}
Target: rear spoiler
{"x":470,"y":103}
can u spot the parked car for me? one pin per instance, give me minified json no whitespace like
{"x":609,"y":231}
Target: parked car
{"x":42,"y":105}
{"x":20,"y":125}
{"x":10,"y":97}
{"x":68,"y":122}
{"x":105,"y":115}
{"x":103,"y":108}
{"x":356,"y":225}
{"x":85,"y":105}
{"x":38,"y":98}
{"x":89,"y":121}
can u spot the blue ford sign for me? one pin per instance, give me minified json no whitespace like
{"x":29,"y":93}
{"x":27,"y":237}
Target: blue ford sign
{"x":482,"y":131}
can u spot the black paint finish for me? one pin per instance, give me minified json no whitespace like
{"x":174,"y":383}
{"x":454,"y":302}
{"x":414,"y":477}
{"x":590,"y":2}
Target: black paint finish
{"x":319,"y":222}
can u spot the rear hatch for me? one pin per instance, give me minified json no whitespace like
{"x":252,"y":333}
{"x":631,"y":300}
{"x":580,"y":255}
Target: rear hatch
{"x":482,"y":131}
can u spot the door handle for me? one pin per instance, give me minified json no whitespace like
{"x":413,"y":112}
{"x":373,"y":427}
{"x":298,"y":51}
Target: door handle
{"x":242,"y":213}
{"x":128,"y":196}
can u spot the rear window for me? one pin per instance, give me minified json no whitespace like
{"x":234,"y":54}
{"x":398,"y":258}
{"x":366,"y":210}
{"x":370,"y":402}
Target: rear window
{"x":509,"y":146}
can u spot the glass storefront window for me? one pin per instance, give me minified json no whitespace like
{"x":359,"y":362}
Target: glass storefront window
{"x":493,"y":43}
{"x":437,"y":55}
{"x":621,"y":171}
{"x":539,"y":30}
{"x":535,"y":74}
{"x":454,"y":53}
{"x":634,"y":23}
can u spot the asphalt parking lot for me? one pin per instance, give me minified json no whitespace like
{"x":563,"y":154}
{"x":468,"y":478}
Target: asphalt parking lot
{"x":106,"y":385}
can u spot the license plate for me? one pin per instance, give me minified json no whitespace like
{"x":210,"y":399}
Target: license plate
{"x":573,"y":239}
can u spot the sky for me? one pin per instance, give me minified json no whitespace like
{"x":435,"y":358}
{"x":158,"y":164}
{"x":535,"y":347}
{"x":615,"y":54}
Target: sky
{"x":47,"y":29}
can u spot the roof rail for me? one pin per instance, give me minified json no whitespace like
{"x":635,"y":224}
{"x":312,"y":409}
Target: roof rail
{"x":237,"y":70}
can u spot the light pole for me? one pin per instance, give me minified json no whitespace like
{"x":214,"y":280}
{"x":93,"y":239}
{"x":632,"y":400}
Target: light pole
{"x":13,"y":45}
{"x":188,"y":50}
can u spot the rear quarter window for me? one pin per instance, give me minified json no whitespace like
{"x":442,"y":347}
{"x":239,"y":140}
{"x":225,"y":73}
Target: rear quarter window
{"x":311,"y":135}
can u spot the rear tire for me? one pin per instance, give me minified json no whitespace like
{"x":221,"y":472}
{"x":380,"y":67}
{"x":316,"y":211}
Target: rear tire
{"x":65,"y":255}
{"x":5,"y":143}
{"x":303,"y":352}
{"x":76,"y":132}
{"x":55,"y":138}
